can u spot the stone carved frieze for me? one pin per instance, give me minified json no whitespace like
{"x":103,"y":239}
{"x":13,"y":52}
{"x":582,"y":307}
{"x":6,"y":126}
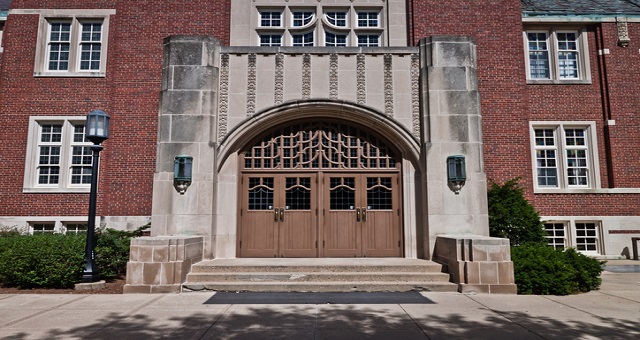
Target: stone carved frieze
{"x":623,"y":34}
{"x":415,"y":95}
{"x":223,"y":105}
{"x":361,"y":88}
{"x":333,"y":76}
{"x":279,"y":80}
{"x":388,"y":85}
{"x":306,"y":76}
{"x":251,"y":85}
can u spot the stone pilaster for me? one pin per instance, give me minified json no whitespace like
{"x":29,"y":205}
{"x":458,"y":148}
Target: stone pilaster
{"x":187,"y":125}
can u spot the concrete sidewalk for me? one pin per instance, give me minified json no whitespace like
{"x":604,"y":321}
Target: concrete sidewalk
{"x":613,"y":312}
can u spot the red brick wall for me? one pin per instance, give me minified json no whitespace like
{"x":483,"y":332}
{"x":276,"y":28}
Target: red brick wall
{"x":497,"y":29}
{"x":129,"y":93}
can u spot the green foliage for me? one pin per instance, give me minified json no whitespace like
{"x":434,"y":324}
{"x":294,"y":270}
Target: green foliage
{"x":540,"y":269}
{"x":112,"y":251}
{"x":512,"y":216}
{"x":53,"y":261}
{"x":57,"y":261}
{"x":6,"y":231}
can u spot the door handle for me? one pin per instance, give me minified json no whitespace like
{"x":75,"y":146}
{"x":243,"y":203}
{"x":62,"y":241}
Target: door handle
{"x":357,"y":214}
{"x":281,"y":214}
{"x":275,"y":215}
{"x":364,"y":214}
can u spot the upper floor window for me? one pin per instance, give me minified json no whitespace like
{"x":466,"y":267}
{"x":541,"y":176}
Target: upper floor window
{"x":564,"y":156}
{"x":335,"y":39}
{"x":302,"y":18}
{"x":368,"y":40}
{"x":270,"y":39}
{"x":270,"y":19}
{"x":1,"y":29}
{"x":368,"y":19}
{"x":556,"y":56}
{"x":305,"y":39}
{"x":71,"y":45}
{"x":338,"y":19}
{"x":59,"y":158}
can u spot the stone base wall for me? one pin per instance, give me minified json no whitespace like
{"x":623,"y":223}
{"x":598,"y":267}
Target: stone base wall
{"x":161,"y":264}
{"x":477,"y":263}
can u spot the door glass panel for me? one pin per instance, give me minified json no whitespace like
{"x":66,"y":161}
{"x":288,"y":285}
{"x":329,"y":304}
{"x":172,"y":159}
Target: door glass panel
{"x":260,"y":193}
{"x":342,"y":193}
{"x":379,"y":193}
{"x":298,"y":193}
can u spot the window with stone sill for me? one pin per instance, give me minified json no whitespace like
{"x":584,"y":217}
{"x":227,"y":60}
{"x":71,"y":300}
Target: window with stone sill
{"x":303,"y":39}
{"x":556,"y":56}
{"x":42,"y":228}
{"x":271,"y":18}
{"x":59,"y":158}
{"x":564,"y":156}
{"x":72,"y":46}
{"x":368,"y":40}
{"x":584,"y":236}
{"x":302,"y":18}
{"x":332,"y":39}
{"x":338,"y":19}
{"x":270,"y":39}
{"x":368,"y":18}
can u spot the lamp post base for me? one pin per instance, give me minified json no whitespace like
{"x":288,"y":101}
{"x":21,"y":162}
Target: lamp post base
{"x":89,"y":277}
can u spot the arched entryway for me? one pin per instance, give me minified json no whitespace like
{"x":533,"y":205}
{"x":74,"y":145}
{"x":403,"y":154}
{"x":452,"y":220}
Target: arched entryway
{"x":320,"y":189}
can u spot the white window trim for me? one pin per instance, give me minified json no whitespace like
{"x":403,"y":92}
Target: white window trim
{"x":571,"y":231}
{"x":592,"y":154}
{"x":584,"y":66}
{"x":2,"y":21}
{"x":75,"y":17}
{"x":30,"y":184}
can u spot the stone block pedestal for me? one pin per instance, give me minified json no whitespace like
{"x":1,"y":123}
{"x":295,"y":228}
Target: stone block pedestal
{"x":160,"y":264}
{"x":477,"y":263}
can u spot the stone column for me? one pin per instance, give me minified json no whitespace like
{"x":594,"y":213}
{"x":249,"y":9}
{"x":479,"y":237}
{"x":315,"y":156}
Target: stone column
{"x":187,"y":125}
{"x":451,"y":125}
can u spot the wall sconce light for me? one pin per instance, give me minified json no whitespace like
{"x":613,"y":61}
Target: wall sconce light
{"x":182,"y":168}
{"x":456,"y":173}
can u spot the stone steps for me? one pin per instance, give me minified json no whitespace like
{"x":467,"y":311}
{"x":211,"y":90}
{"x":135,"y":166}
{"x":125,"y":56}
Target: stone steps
{"x":318,"y":275}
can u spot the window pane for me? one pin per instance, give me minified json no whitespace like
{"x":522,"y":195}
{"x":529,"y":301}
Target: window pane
{"x":337,"y":18}
{"x":270,"y":19}
{"x":568,"y":55}
{"x":302,"y":18}
{"x":303,"y":39}
{"x":538,"y":56}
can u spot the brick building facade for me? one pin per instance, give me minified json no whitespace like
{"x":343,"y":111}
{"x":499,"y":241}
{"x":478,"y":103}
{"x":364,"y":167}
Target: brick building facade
{"x":522,"y":88}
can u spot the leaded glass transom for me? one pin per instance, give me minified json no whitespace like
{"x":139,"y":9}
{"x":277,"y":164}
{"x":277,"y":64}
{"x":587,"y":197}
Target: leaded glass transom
{"x":320,"y":146}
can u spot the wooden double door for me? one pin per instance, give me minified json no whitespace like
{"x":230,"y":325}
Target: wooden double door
{"x":320,"y":215}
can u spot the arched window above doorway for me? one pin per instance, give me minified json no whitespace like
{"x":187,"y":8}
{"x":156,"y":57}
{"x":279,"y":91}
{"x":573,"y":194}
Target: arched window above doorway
{"x":319,"y":146}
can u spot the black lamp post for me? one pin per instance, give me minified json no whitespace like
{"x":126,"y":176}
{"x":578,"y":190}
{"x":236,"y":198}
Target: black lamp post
{"x":97,"y":131}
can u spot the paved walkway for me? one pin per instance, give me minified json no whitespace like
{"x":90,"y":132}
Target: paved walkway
{"x":613,"y":312}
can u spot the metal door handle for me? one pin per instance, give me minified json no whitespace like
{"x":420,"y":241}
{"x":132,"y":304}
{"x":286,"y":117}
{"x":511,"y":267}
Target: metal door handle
{"x":357,"y":214}
{"x":364,"y":214}
{"x":275,"y":215}
{"x":281,"y":214}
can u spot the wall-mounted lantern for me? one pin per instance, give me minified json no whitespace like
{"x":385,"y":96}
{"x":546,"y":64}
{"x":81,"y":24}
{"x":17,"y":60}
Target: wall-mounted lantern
{"x":456,"y":173}
{"x":182,"y":168}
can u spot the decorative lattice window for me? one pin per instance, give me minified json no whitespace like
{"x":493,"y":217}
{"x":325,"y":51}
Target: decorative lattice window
{"x":316,"y":146}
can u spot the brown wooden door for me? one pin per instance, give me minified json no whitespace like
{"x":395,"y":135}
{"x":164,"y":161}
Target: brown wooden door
{"x":361,"y":215}
{"x":278,"y":216}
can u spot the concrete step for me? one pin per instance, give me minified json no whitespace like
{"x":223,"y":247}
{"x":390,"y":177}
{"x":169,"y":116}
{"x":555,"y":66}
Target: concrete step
{"x":331,"y":265}
{"x":199,"y":277}
{"x":380,"y":286}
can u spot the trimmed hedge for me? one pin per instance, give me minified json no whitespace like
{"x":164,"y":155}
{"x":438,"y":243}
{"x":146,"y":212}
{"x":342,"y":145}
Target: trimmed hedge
{"x":57,"y":261}
{"x":541,"y":269}
{"x":52,"y":261}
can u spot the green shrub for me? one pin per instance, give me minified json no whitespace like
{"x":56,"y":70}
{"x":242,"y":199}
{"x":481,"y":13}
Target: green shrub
{"x":112,"y":251}
{"x":53,"y":261}
{"x":512,"y":216}
{"x":540,"y":269}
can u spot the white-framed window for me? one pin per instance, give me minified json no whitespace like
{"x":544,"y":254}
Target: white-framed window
{"x":557,"y":235}
{"x":302,"y":18}
{"x":43,"y":228}
{"x":59,"y":158}
{"x":270,"y":18}
{"x":74,"y":227}
{"x":337,"y":18}
{"x":331,"y":39}
{"x":72,"y":43}
{"x":1,"y":29}
{"x":303,"y":39}
{"x":588,"y":237}
{"x":270,"y":39}
{"x":564,"y":155}
{"x":556,"y":55}
{"x":368,"y":40}
{"x":368,"y":18}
